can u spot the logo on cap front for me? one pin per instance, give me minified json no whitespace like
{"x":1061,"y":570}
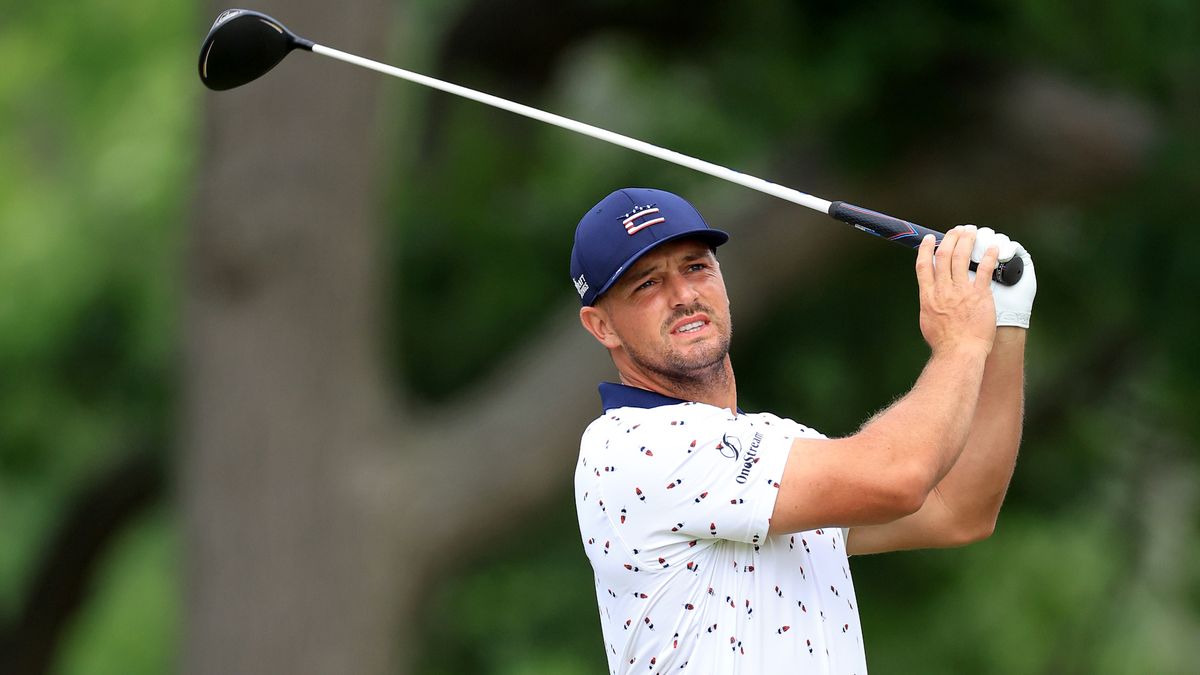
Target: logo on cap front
{"x":640,"y":218}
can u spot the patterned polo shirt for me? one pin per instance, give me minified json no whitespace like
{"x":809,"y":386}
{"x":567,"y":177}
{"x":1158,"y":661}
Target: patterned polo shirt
{"x":674,"y":501}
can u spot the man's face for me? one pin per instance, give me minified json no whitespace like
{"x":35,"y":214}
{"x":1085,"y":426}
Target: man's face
{"x":669,"y":314}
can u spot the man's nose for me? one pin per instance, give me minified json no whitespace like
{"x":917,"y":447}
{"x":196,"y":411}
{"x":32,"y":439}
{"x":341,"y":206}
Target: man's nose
{"x":682,"y":290}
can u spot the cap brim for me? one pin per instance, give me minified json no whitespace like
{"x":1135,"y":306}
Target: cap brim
{"x":710,"y":235}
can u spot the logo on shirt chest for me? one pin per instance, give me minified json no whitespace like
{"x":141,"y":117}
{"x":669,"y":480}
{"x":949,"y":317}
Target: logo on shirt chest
{"x":730,"y":446}
{"x":749,"y":459}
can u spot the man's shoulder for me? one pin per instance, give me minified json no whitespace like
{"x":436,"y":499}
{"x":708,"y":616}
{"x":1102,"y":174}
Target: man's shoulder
{"x":694,"y":424}
{"x":663,"y":418}
{"x":684,"y":417}
{"x":784,"y":424}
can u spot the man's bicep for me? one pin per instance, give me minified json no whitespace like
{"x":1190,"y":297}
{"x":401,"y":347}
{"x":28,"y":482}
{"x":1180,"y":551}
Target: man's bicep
{"x":838,"y":482}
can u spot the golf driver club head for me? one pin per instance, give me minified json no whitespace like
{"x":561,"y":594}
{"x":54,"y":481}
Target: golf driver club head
{"x":242,"y":46}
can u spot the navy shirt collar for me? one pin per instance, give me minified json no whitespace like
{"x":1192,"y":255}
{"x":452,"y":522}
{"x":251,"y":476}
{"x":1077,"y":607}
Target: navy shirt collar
{"x":613,"y":395}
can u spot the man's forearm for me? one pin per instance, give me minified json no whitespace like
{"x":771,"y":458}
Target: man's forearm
{"x":931,"y":424}
{"x":974,"y":488}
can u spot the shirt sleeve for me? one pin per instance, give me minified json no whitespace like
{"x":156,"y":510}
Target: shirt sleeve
{"x":710,"y":476}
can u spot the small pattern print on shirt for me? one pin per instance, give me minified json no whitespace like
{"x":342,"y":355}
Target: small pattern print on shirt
{"x":732,"y":597}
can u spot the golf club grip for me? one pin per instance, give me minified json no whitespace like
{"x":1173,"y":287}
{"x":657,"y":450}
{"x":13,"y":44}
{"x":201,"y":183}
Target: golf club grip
{"x":911,"y":234}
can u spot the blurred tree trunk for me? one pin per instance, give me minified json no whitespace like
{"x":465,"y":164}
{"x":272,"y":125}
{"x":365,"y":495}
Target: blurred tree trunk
{"x":286,"y":569}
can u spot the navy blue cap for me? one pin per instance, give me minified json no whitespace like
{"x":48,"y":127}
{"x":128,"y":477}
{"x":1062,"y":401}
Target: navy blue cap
{"x":623,"y":227}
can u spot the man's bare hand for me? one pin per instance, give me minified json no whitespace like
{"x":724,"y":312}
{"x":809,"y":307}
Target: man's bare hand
{"x":956,"y":309}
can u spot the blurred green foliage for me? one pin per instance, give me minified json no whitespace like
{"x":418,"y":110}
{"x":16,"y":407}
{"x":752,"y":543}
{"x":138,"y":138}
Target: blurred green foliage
{"x":1088,"y":571}
{"x":97,"y":141}
{"x":131,"y":624}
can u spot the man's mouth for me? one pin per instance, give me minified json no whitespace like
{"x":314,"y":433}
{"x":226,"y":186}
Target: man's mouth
{"x":690,"y":325}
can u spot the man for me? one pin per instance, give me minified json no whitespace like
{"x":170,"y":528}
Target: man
{"x":719,"y":539}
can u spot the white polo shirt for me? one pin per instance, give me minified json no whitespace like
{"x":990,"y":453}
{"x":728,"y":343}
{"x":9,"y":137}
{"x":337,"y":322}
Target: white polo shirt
{"x":674,"y":500}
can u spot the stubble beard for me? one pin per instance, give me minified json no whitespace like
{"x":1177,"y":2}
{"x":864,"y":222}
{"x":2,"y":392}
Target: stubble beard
{"x":696,"y":374}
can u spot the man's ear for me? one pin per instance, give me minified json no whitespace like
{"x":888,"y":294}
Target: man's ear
{"x":599,"y":324}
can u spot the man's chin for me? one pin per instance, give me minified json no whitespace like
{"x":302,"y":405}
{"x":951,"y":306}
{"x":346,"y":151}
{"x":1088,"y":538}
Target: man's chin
{"x":697,"y":361}
{"x":684,"y":363}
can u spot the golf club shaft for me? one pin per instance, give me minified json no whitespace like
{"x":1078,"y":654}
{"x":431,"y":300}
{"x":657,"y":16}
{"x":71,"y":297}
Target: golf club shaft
{"x":681,"y":159}
{"x":866,"y":220}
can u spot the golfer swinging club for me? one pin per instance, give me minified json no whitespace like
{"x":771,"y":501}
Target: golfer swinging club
{"x":719,"y":538}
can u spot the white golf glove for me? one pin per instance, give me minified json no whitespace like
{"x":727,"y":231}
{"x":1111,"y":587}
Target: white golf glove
{"x":1013,"y":303}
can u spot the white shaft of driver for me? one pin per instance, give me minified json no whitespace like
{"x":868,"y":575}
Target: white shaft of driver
{"x":700,"y":165}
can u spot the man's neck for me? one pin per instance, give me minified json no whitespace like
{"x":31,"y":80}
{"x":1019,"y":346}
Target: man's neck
{"x":716,"y":387}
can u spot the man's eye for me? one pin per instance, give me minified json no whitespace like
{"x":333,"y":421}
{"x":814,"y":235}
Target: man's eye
{"x":645,"y":284}
{"x":696,"y":267}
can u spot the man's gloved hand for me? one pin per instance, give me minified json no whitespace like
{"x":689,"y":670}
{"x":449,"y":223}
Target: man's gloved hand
{"x":1013,"y":303}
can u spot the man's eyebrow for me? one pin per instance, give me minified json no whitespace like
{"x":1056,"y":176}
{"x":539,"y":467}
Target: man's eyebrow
{"x":640,"y":271}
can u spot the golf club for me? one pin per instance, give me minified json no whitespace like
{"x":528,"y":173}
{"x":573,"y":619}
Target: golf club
{"x":243,"y":45}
